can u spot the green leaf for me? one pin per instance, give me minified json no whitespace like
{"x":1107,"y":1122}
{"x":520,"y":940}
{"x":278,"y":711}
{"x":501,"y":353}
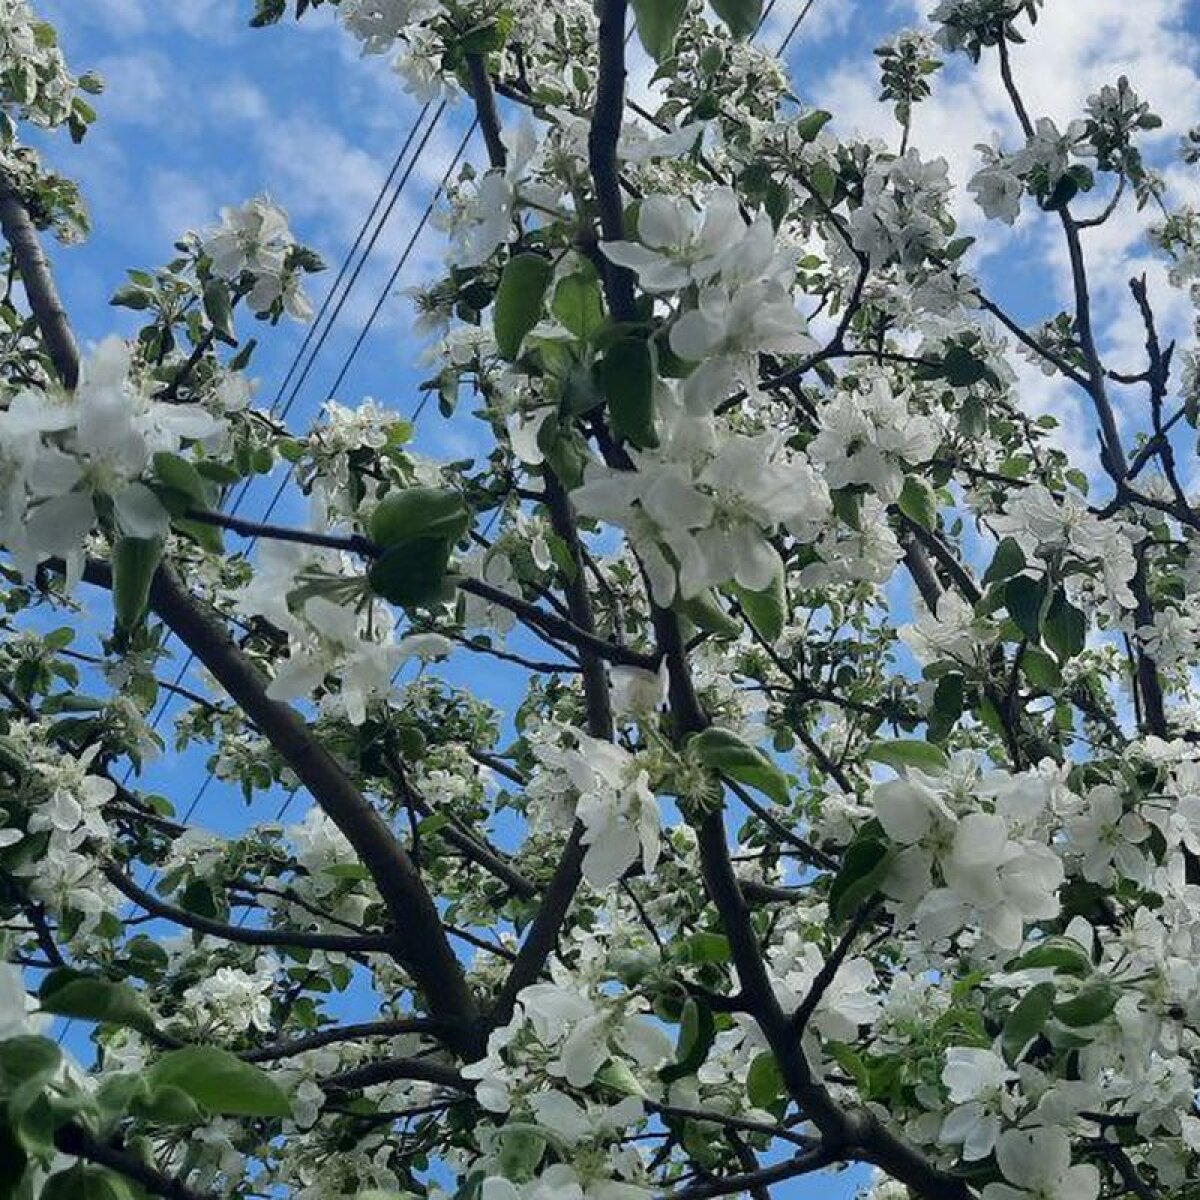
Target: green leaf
{"x":27,"y":1059}
{"x":616,"y":1074}
{"x":521,"y":1149}
{"x":1027,"y":1020}
{"x":1065,"y":627}
{"x":961,"y":368}
{"x":865,"y":866}
{"x":219,"y":309}
{"x":1023,"y":598}
{"x":412,"y":573}
{"x":167,"y":1104}
{"x":697,"y":1029}
{"x":209,"y":537}
{"x":723,"y":751}
{"x":811,"y":124}
{"x":918,"y":502}
{"x":1061,"y":953}
{"x":84,"y":1182}
{"x":628,"y":373}
{"x":420,"y":512}
{"x":764,"y":1081}
{"x":1006,"y":562}
{"x":741,"y":16}
{"x":705,"y":946}
{"x":181,"y":476}
{"x":519,"y":301}
{"x":134,"y":563}
{"x":1040,"y":669}
{"x":70,"y":993}
{"x":220,"y":1082}
{"x":577,"y":303}
{"x":132,"y":296}
{"x":707,"y":615}
{"x":766,"y":610}
{"x":847,"y":504}
{"x":1089,"y":1007}
{"x":900,"y":753}
{"x":657,"y":25}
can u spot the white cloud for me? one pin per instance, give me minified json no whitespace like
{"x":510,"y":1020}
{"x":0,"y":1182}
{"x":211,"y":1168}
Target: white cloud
{"x":136,"y":86}
{"x":179,"y":201}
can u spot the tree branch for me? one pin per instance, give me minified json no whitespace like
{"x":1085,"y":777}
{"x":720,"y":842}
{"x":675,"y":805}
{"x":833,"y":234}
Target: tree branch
{"x":76,"y":1141}
{"x":274,"y":1051}
{"x":246,"y":935}
{"x":419,"y":942}
{"x":43,"y":297}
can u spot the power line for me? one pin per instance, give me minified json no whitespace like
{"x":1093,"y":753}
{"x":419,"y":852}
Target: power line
{"x":765,"y":17}
{"x":287,"y":803}
{"x":324,"y":308}
{"x":369,"y":324}
{"x":311,"y":333}
{"x":405,"y":255}
{"x":791,"y":33}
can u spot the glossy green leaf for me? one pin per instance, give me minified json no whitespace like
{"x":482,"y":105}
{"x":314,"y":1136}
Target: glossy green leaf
{"x":520,"y":300}
{"x":766,"y":610}
{"x":918,"y":502}
{"x":741,"y":16}
{"x":1023,"y":598}
{"x":1065,"y":627}
{"x":1006,"y":562}
{"x":419,"y":512}
{"x":70,"y":993}
{"x":628,"y":374}
{"x":220,"y":1082}
{"x":27,"y":1059}
{"x":1026,"y":1020}
{"x":725,"y":752}
{"x":1061,"y":953}
{"x":962,"y":368}
{"x":411,"y":573}
{"x":134,"y":563}
{"x":657,"y":24}
{"x":697,"y":1029}
{"x":705,"y":612}
{"x":811,"y":124}
{"x":578,"y":304}
{"x":900,"y":753}
{"x":764,"y":1081}
{"x":865,"y":866}
{"x":219,"y":309}
{"x":181,"y":476}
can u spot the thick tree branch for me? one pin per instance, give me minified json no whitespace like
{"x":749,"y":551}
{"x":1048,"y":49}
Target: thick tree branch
{"x":76,"y":1141}
{"x":605,"y":132}
{"x":38,"y":281}
{"x":419,"y":942}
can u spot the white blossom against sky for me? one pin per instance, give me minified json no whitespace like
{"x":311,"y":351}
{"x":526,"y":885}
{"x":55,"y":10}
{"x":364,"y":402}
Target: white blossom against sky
{"x":201,"y":111}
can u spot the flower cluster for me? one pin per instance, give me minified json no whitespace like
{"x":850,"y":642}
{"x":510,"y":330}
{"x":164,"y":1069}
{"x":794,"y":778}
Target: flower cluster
{"x":607,"y":790}
{"x":253,"y":249}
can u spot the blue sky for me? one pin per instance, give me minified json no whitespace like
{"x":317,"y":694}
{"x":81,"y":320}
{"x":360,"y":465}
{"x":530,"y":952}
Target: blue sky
{"x":202,"y":111}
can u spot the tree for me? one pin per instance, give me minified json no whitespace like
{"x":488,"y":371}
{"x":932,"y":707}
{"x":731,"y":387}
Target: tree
{"x":763,"y":875}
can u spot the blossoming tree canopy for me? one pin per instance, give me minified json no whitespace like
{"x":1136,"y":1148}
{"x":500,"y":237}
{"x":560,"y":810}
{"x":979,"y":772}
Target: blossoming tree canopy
{"x":847,"y":810}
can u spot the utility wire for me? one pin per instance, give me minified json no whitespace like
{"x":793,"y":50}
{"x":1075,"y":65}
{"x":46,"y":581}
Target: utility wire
{"x":344,"y":369}
{"x":791,"y":33}
{"x":286,"y":404}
